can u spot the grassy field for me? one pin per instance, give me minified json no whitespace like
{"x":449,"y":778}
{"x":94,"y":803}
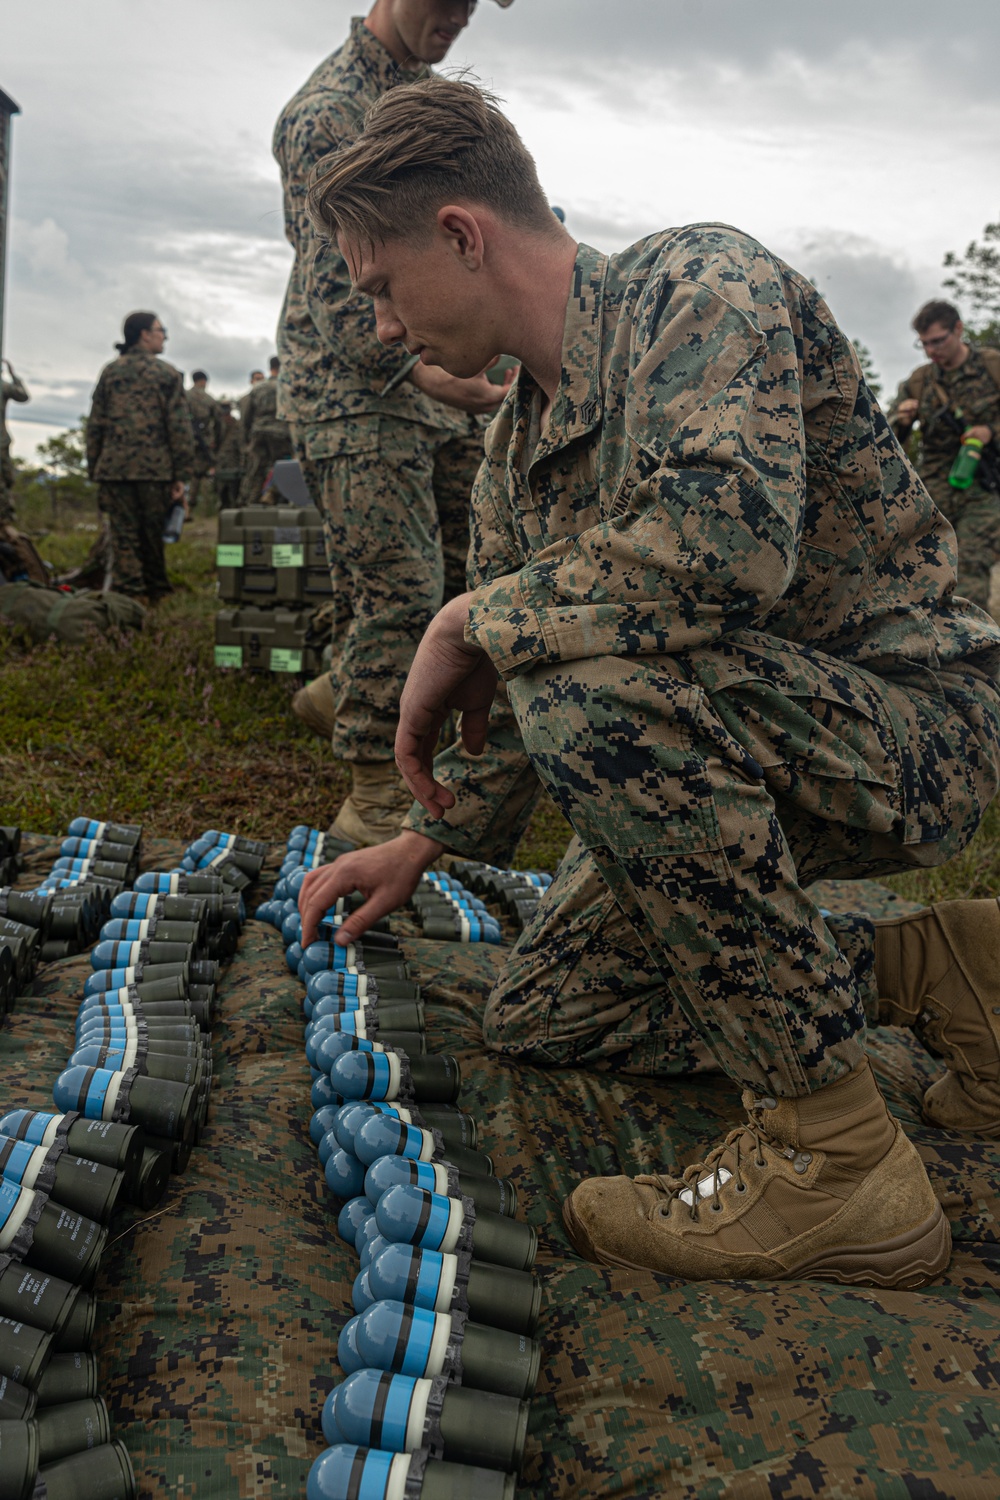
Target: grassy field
{"x":143,"y":728}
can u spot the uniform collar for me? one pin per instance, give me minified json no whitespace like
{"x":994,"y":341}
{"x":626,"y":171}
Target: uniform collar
{"x":371,"y":57}
{"x":578,"y":405}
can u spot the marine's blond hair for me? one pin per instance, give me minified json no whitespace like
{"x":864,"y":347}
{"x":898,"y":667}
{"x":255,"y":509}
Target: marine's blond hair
{"x":423,"y":145}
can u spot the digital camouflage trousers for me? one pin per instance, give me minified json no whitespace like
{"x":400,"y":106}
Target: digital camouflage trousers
{"x":706,"y":791}
{"x":136,"y":512}
{"x":396,"y":519}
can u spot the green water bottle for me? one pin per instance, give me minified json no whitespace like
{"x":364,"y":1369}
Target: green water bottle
{"x":963,"y":470}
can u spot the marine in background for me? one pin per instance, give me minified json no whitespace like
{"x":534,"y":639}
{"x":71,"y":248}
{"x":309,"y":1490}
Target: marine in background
{"x":953,"y":398}
{"x":12,"y":388}
{"x":266,"y":437}
{"x":140,"y":453}
{"x":255,"y":377}
{"x":229,"y":459}
{"x":206,"y":424}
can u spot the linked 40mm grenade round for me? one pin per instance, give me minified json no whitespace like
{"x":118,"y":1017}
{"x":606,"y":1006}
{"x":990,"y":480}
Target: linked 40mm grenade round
{"x":388,"y":1076}
{"x":53,"y":1238}
{"x":46,"y":1302}
{"x":403,"y":1412}
{"x":496,"y":1295}
{"x":348,"y":1472}
{"x":413,"y":1216}
{"x":105,"y":1141}
{"x":78,"y":1184}
{"x":162,"y":1107}
{"x":411,"y":1340}
{"x":68,"y":1377}
{"x":24,"y":1351}
{"x":74,"y":1428}
{"x":17,"y":1403}
{"x":387,"y":1136}
{"x":454,"y":1127}
{"x":488,"y":1194}
{"x":18,"y":1460}
{"x":117,"y":833}
{"x":102,"y":1473}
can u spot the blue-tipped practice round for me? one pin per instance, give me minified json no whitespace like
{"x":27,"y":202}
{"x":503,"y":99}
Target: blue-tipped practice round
{"x":347,"y":1347}
{"x":361,"y":1293}
{"x":345,"y":1175}
{"x":322,"y":1121}
{"x":351,"y":1216}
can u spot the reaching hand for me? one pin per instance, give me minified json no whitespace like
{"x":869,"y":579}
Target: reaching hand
{"x":447,"y":673}
{"x":387,"y":875}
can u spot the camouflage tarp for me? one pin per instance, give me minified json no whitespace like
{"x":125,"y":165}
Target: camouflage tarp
{"x":220,"y":1313}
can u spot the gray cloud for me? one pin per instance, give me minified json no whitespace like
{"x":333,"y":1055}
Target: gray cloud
{"x":872,"y":294}
{"x":143,"y":177}
{"x":594,"y":37}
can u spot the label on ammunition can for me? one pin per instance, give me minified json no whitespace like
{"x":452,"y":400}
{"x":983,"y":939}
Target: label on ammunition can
{"x":229,"y":656}
{"x":283,"y":660}
{"x":286,"y":557}
{"x":229,"y":555}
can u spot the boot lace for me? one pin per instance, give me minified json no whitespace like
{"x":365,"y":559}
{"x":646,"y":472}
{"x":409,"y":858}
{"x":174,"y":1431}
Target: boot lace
{"x":703,"y":1180}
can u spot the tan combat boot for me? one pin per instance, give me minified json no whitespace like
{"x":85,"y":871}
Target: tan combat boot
{"x":378,"y":802}
{"x":939,"y":972}
{"x":826,"y":1187}
{"x":313,"y":704}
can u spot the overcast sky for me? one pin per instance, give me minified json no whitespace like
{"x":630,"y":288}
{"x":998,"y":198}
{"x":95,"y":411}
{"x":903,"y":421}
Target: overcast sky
{"x":858,"y":140}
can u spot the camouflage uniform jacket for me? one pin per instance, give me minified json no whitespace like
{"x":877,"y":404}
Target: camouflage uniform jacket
{"x":242,"y":402}
{"x":332,"y":364}
{"x":972,"y":392}
{"x":206,"y":423}
{"x":140,"y":423}
{"x":713,"y":462}
{"x":229,"y":458}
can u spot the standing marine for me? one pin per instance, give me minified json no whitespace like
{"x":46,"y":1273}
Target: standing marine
{"x":955,"y":397}
{"x":206,"y":424}
{"x":266,"y":438}
{"x":229,"y":459}
{"x":388,"y":444}
{"x":12,"y":388}
{"x":140,"y":452}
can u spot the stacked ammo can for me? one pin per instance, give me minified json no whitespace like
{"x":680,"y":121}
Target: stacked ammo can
{"x":273,"y":577}
{"x":438,"y":1359}
{"x":131,"y":1100}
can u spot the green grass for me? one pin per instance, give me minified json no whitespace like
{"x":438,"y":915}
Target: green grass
{"x":973,"y":873}
{"x":143,"y":728}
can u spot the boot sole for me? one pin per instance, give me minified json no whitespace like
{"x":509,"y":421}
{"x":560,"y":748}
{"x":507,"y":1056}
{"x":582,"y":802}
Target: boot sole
{"x":906,"y":1262}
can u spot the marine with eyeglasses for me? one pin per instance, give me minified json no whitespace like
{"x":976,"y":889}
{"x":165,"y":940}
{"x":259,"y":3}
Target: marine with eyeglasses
{"x":955,"y":395}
